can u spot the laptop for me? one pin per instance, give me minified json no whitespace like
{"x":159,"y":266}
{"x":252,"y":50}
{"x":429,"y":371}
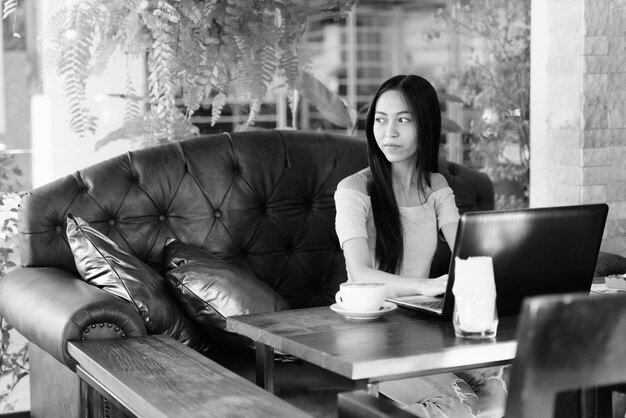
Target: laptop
{"x":535,"y":251}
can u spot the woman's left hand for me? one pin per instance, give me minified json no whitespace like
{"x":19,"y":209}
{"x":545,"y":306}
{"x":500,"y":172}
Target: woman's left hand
{"x":433,"y":287}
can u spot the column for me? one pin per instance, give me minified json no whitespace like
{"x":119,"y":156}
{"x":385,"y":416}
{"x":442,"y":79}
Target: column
{"x":578,"y":108}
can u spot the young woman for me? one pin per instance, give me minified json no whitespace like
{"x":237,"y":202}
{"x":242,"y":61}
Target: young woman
{"x":388,"y":218}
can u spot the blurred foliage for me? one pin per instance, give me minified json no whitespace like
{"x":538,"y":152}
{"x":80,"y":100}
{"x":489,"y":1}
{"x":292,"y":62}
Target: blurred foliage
{"x":13,"y":357}
{"x":493,"y":80}
{"x":196,"y":51}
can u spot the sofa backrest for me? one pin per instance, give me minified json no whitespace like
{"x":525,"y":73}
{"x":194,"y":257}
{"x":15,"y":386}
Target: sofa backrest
{"x":473,"y":190}
{"x":262,"y":200}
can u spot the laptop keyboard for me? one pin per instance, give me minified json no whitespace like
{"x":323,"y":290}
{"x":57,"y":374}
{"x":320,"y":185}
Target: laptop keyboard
{"x":436,"y":304}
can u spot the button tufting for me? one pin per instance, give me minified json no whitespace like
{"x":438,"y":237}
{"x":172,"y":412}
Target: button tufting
{"x":111,"y":222}
{"x":58,"y":228}
{"x":161,"y":218}
{"x":217,"y":214}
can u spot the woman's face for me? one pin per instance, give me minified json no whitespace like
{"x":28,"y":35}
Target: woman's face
{"x":394,"y":127}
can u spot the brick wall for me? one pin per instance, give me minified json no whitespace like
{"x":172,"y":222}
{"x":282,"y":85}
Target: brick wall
{"x":578,"y":108}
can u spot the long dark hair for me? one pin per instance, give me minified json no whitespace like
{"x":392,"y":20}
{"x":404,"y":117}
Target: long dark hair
{"x":423,"y":103}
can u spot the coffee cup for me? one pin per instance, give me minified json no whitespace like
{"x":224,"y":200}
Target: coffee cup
{"x":361,"y":296}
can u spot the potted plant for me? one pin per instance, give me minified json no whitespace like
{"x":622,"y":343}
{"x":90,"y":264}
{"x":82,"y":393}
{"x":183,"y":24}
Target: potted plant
{"x":196,"y":52}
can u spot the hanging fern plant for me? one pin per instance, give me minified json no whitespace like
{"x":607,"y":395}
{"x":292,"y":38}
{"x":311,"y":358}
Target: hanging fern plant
{"x":207,"y":50}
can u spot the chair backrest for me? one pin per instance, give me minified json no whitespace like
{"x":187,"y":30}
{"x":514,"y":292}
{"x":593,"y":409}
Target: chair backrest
{"x":566,"y":342}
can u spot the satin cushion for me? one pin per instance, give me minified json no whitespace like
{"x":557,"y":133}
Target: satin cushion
{"x":211,"y":289}
{"x":102,"y":263}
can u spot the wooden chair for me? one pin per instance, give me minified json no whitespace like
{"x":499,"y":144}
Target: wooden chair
{"x":567,"y":342}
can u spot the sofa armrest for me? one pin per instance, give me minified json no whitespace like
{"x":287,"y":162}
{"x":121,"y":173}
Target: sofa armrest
{"x":50,"y":306}
{"x":609,"y":263}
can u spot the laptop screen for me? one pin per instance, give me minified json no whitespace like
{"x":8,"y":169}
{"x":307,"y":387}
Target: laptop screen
{"x":535,"y":251}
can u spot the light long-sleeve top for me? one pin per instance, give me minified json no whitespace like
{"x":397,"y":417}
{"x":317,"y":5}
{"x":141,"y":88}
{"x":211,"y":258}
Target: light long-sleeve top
{"x":420,"y":224}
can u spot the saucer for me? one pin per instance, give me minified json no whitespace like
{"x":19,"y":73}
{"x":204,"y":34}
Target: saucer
{"x":364,"y":315}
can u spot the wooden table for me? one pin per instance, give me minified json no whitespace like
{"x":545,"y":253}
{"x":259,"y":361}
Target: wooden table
{"x":156,"y":376}
{"x":401,"y":344}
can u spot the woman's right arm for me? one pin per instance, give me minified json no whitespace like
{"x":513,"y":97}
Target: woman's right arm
{"x":352,"y":204}
{"x":359,"y":265}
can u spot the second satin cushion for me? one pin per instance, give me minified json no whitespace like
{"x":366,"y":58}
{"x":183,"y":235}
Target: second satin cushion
{"x":211,"y":289}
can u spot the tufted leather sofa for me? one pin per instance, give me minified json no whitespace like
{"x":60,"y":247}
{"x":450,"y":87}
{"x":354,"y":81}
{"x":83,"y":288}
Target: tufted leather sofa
{"x":262,"y":200}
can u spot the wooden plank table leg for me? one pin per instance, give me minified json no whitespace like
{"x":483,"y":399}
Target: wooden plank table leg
{"x":84,"y":399}
{"x":96,"y":401}
{"x":370,"y":387}
{"x":265,"y":366}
